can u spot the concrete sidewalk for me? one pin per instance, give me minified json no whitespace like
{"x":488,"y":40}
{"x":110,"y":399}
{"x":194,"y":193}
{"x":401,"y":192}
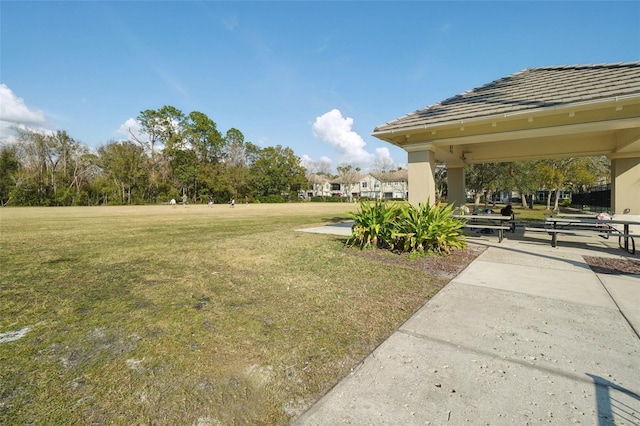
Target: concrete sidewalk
{"x":527,"y":334}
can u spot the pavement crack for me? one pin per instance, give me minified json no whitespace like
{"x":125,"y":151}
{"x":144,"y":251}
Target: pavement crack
{"x":637,"y":332}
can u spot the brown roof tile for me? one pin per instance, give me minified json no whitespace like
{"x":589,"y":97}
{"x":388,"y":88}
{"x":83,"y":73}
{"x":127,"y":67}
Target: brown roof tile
{"x":529,"y":89}
{"x":393,"y":176}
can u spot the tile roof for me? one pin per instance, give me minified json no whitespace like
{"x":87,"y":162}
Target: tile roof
{"x":393,"y":176}
{"x":350,"y":177}
{"x":529,"y":89}
{"x":318,"y":179}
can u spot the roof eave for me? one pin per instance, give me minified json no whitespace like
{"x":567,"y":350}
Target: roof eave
{"x":388,"y":135}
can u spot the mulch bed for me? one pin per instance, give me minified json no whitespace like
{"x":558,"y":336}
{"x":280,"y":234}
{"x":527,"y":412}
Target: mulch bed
{"x":607,"y":265}
{"x":451,"y":265}
{"x":446,"y":266}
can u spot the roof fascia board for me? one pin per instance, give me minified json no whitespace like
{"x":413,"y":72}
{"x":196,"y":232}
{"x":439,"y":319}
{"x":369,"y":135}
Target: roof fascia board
{"x":534,"y":112}
{"x":419,"y":146}
{"x":564,"y":130}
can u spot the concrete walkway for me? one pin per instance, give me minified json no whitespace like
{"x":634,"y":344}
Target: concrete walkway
{"x":526,"y":335}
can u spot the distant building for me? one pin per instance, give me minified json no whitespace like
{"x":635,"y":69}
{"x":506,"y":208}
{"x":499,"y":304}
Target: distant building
{"x":394,"y":184}
{"x":319,"y":186}
{"x":388,"y":185}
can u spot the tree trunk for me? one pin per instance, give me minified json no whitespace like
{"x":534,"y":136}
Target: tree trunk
{"x":487,"y":197}
{"x":195,"y":190}
{"x":549,"y":199}
{"x":476,"y":201}
{"x":557,"y":200}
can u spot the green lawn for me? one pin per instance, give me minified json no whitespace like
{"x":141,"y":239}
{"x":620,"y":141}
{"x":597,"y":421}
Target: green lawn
{"x":186,"y":315}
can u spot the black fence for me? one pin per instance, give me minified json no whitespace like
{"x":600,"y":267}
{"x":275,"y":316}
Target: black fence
{"x":596,"y":199}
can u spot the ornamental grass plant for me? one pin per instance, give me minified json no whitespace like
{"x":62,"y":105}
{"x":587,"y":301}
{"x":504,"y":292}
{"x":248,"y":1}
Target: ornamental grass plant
{"x":374,"y":224}
{"x":429,"y":229}
{"x":406,"y":228}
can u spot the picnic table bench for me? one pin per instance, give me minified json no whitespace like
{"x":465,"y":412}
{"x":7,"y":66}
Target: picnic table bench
{"x":576,"y":215}
{"x":495,"y":222}
{"x":589,"y":226}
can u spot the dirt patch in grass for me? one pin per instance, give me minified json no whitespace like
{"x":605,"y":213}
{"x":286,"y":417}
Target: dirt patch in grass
{"x":442,"y":266}
{"x":615,"y":266}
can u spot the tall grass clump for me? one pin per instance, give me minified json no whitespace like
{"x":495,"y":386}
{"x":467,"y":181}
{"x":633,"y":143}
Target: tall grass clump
{"x":429,"y":228}
{"x":406,"y":228}
{"x":374,"y":225}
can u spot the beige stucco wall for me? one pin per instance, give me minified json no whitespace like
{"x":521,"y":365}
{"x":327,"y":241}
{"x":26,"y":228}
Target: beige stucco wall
{"x":456,"y":193}
{"x":625,"y":191}
{"x":422,"y":185}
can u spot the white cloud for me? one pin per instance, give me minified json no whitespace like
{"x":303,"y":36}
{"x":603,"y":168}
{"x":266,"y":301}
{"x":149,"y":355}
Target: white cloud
{"x":322,"y":165}
{"x":131,"y":125}
{"x":14,"y":115}
{"x":383,"y":160}
{"x":336,"y":130}
{"x":383,"y":153}
{"x":132,"y":130}
{"x":14,"y":110}
{"x":306,"y":160}
{"x":326,"y":159}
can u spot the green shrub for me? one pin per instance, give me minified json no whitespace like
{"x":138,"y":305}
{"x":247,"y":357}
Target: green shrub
{"x":406,"y":228}
{"x":271,"y":198}
{"x":329,"y":199}
{"x":374,"y":225}
{"x":429,"y":228}
{"x":25,"y":194}
{"x":337,"y":199}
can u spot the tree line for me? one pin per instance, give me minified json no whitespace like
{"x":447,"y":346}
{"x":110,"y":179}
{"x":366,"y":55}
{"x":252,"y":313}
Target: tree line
{"x":184,"y":155}
{"x":180,"y":155}
{"x":529,"y":177}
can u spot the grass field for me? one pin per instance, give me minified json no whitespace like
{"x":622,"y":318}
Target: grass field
{"x":186,"y":315}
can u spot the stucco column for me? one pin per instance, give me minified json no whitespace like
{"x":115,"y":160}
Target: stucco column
{"x":625,"y":185}
{"x":422,"y":184}
{"x":456,"y":193}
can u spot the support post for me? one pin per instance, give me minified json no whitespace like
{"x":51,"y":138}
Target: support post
{"x":422,"y":185}
{"x":456,"y":193}
{"x":625,"y":185}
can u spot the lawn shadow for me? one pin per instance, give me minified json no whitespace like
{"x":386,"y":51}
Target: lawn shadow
{"x":338,"y":220}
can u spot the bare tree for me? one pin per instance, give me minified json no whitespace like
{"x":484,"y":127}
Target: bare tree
{"x":323,"y":167}
{"x":383,"y":164}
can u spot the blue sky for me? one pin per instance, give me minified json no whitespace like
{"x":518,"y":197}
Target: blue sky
{"x":314,"y":76}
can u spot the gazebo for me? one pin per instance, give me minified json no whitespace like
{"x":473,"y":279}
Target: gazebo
{"x":537,"y":113}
